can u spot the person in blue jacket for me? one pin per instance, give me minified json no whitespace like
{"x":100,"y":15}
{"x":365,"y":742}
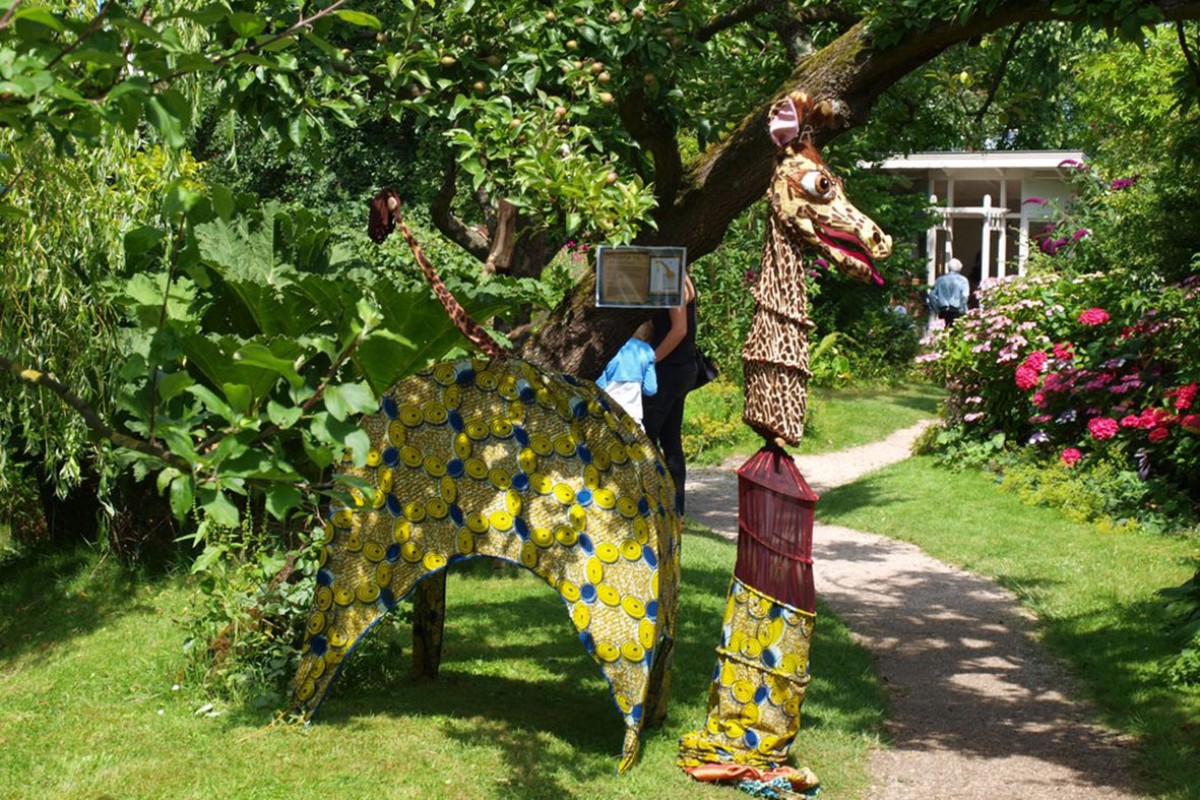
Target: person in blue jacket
{"x":630,"y":375}
{"x":948,"y":297}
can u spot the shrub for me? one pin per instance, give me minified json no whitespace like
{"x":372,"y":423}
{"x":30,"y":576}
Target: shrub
{"x":1096,"y":371}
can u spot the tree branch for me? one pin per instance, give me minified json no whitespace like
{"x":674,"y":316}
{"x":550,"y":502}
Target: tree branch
{"x":447,"y":222}
{"x":656,"y":133}
{"x":97,"y":426}
{"x":1181,"y":32}
{"x":730,"y":19}
{"x":1009,"y":50}
{"x":6,"y":20}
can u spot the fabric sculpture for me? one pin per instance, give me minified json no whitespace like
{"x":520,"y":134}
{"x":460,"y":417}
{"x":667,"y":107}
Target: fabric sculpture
{"x":497,"y":458}
{"x":762,"y":661}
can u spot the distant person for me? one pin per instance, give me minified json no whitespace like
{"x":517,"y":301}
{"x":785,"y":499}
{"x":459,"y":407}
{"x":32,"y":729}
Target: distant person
{"x":674,"y":343}
{"x":949,"y":295}
{"x":630,"y":375}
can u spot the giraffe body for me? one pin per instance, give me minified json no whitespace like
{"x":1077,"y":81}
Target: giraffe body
{"x":499,"y":459}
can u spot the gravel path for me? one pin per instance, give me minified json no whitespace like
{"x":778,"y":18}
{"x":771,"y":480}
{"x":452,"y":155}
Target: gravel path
{"x":978,"y":709}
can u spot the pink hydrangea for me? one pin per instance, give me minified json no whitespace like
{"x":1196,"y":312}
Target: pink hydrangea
{"x":1158,"y":434}
{"x":1191,"y":423}
{"x":1037,"y":359}
{"x":1131,"y":421}
{"x":1102,"y":428}
{"x":1026,"y":377}
{"x":1093,"y":316}
{"x":1071,"y":456}
{"x":1063,"y":351}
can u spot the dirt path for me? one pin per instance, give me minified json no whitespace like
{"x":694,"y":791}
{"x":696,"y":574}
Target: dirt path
{"x":978,"y":709}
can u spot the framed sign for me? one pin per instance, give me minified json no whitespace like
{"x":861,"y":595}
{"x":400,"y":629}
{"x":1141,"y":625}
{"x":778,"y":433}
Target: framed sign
{"x":640,"y":277}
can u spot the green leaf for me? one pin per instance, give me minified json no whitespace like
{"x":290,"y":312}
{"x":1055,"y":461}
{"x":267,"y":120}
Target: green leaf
{"x":283,"y":416}
{"x":281,"y":498}
{"x":41,"y":16}
{"x":239,"y":396}
{"x":346,"y":435}
{"x":531,"y":78}
{"x":359,"y":18}
{"x":351,"y":398}
{"x":212,"y":403}
{"x":142,"y":239}
{"x":246,"y":24}
{"x":182,"y":497}
{"x":172,"y":384}
{"x":167,"y":124}
{"x":259,"y":355}
{"x":220,"y":510}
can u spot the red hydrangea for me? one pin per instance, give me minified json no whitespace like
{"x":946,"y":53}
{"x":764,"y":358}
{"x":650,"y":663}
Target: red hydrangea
{"x":1184,"y":396}
{"x":1158,"y":434}
{"x":1191,"y":423}
{"x":1071,"y":456}
{"x":1036,"y":360}
{"x":1102,"y":428}
{"x":1026,"y":377}
{"x":1094,"y":316}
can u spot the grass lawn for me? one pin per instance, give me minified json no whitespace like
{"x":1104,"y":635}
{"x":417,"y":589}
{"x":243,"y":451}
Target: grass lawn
{"x":89,"y":658}
{"x":837,"y":418}
{"x":1093,"y":593}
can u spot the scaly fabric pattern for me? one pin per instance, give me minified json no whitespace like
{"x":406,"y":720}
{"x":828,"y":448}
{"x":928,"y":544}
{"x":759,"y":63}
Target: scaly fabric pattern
{"x":758,"y":686}
{"x":498,"y":459}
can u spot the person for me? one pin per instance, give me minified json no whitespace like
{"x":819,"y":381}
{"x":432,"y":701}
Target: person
{"x":948,"y":297}
{"x":674,"y":343}
{"x":631,"y":375}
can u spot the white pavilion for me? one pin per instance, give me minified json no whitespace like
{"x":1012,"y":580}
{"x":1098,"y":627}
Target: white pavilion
{"x":986,"y":218}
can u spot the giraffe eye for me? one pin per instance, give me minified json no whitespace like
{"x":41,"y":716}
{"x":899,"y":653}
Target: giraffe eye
{"x":817,"y":184}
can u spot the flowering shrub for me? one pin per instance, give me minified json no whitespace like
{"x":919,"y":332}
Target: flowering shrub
{"x":1093,"y":369}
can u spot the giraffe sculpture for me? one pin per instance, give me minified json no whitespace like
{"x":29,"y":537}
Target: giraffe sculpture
{"x":762,"y":666}
{"x":497,"y":458}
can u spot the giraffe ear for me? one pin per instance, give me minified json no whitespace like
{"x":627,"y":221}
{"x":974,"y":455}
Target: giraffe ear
{"x":785,"y":122}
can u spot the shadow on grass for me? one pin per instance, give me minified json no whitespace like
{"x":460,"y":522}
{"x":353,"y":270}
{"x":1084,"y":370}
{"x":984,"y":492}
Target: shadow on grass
{"x":515,"y":678}
{"x":53,"y":596}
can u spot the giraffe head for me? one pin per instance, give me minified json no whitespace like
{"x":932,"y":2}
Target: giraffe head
{"x":811,"y":201}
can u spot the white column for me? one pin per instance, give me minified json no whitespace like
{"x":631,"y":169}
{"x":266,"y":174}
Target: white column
{"x":948,"y":223}
{"x":985,"y":240}
{"x":931,"y":245}
{"x":1002,"y":245}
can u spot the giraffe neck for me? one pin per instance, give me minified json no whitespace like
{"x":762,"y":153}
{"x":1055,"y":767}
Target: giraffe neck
{"x":781,"y":286}
{"x":458,"y":315}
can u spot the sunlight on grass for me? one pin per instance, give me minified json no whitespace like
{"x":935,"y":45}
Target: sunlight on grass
{"x":1093,"y":593}
{"x":837,"y":418}
{"x":89,"y":659}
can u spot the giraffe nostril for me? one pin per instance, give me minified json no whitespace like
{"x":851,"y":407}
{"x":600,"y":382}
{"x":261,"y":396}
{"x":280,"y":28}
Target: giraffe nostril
{"x":876,"y":237}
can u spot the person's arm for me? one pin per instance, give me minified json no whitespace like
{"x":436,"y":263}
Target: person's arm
{"x":675,"y":334}
{"x":678,"y":329}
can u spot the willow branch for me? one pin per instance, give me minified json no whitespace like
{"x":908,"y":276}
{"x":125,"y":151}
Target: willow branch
{"x":98,"y":427}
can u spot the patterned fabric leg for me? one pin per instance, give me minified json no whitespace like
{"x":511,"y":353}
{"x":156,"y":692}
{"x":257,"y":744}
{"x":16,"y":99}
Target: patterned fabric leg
{"x":758,"y":686}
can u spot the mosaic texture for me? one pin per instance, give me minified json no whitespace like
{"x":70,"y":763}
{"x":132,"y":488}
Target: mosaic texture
{"x":758,"y":686}
{"x":498,"y":459}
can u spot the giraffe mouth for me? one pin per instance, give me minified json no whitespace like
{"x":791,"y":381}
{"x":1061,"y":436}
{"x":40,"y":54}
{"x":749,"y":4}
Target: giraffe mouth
{"x":844,"y":246}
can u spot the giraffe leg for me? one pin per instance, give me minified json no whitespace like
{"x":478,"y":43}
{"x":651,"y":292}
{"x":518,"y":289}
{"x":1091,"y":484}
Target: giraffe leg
{"x":429,"y":617}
